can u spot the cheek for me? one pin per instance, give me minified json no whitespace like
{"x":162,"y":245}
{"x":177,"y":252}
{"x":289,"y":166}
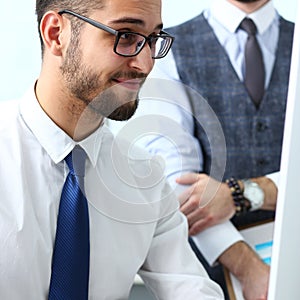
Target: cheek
{"x":101,"y":57}
{"x":106,"y":66}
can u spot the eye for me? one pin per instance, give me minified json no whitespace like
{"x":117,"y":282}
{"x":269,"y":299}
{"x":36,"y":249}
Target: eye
{"x":128,"y":38}
{"x":153,"y":40}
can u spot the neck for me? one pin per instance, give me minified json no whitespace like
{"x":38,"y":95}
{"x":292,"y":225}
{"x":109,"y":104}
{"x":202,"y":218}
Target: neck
{"x":68,"y":113}
{"x":249,"y":7}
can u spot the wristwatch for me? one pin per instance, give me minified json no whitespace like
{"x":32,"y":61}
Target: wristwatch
{"x":253,"y":193}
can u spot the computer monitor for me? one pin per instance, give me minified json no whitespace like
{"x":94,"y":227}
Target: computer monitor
{"x":285,"y":266}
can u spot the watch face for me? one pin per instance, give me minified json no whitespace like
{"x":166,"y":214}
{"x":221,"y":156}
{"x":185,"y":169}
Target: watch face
{"x":254,"y":194}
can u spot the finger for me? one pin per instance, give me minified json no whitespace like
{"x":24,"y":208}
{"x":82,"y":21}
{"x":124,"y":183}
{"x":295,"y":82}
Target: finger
{"x":199,"y":226}
{"x":190,"y":205}
{"x":185,"y":195}
{"x":196,"y":215}
{"x":188,"y":178}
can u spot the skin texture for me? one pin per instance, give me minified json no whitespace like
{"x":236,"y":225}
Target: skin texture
{"x":248,"y":268}
{"x":89,"y":78}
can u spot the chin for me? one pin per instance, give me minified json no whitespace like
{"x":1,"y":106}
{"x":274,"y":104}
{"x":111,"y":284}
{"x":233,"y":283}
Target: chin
{"x":124,"y":112}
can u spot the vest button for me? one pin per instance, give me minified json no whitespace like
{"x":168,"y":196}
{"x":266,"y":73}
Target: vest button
{"x":261,"y":127}
{"x":261,"y":162}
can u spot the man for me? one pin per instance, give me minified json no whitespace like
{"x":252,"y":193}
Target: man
{"x":79,"y":215}
{"x":228,"y":134}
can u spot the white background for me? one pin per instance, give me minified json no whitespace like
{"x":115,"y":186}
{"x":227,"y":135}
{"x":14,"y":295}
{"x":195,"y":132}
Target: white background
{"x":20,"y":49}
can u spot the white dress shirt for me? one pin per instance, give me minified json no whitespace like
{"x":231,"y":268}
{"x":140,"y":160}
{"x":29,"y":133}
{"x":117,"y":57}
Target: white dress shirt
{"x":233,"y":41}
{"x":135,"y":225}
{"x":171,"y":133}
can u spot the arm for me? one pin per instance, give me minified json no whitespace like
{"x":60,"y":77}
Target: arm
{"x":179,"y":158}
{"x":238,"y":258}
{"x":218,"y":205}
{"x":165,"y":119}
{"x":171,"y":270}
{"x":207,"y":202}
{"x":249,"y":269}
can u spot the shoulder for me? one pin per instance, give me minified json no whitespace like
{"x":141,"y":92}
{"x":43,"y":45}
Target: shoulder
{"x":139,"y":177}
{"x":132,"y":163}
{"x":286,"y":26}
{"x":10,"y":133}
{"x":286,"y":35}
{"x":124,"y":147}
{"x":188,"y":26}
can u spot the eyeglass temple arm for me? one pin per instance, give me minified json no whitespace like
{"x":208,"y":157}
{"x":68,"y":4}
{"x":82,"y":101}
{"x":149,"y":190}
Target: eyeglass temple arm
{"x":90,"y":21}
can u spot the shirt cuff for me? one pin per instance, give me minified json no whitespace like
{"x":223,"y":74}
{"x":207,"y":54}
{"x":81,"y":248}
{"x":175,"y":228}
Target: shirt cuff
{"x":212,"y":242}
{"x":275,"y":177}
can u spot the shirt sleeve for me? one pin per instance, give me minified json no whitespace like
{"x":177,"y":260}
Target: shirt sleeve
{"x":165,"y":115}
{"x":165,"y":106}
{"x":213,"y":241}
{"x":171,"y":270}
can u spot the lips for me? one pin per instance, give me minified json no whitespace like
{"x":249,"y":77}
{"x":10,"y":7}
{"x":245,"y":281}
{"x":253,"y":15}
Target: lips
{"x":132,"y":84}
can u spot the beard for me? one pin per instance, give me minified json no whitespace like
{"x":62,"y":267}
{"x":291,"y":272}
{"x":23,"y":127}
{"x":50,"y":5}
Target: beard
{"x":108,"y":100}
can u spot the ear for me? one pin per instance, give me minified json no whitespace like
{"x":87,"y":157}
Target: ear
{"x":51,"y":29}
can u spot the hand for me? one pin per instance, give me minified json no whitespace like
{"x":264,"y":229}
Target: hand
{"x":206,"y":202}
{"x":253,"y":274}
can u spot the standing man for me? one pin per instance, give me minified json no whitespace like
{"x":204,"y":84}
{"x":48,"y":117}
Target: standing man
{"x":236,"y":55}
{"x":78,"y":216}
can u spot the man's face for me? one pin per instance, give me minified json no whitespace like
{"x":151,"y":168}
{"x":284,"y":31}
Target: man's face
{"x":95,"y":74}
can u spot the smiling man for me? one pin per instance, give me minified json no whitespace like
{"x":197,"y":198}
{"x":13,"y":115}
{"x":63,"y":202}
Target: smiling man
{"x":81,"y":212}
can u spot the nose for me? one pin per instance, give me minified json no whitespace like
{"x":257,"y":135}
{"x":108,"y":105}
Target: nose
{"x":143,"y":62}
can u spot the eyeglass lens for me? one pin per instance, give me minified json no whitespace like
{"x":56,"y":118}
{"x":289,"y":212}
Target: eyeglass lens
{"x":131,"y":43}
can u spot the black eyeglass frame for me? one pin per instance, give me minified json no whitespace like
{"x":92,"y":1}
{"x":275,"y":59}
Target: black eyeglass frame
{"x":168,"y":38}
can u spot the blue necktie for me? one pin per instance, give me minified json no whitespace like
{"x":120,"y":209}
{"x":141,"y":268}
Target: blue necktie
{"x":70,"y":262}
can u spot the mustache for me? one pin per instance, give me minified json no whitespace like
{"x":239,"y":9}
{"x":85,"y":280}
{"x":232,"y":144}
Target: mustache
{"x":130,"y":75}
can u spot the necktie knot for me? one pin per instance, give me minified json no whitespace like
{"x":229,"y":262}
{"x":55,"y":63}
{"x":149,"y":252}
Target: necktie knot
{"x":248,"y":26}
{"x":76,"y":161}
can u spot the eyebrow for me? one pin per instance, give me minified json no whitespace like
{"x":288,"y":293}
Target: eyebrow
{"x":133,"y":21}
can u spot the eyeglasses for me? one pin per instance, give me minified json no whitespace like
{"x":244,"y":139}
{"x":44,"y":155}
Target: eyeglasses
{"x":129,"y":43}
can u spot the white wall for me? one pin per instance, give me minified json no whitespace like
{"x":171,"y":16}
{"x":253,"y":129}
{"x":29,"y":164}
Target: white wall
{"x":20,"y":48}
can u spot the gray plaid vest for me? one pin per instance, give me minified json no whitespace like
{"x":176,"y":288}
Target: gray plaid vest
{"x":253,"y":137}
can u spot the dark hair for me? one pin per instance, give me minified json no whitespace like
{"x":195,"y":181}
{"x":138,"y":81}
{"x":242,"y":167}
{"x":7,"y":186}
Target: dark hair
{"x":79,"y":6}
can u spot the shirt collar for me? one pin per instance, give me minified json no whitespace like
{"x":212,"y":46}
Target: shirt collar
{"x":51,"y":137}
{"x":221,"y":9}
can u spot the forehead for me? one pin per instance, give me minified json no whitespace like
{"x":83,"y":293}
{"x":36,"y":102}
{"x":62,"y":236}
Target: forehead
{"x":146,"y":12}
